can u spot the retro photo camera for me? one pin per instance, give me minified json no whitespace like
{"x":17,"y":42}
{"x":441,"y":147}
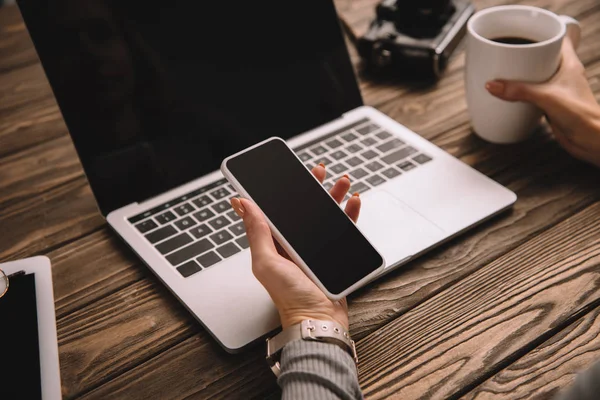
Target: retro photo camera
{"x":414,"y":38}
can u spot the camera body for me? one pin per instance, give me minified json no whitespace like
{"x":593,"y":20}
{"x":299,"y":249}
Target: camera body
{"x":414,"y":38}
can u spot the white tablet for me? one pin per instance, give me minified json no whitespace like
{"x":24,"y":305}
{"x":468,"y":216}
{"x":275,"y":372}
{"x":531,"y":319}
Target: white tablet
{"x":29,"y":366}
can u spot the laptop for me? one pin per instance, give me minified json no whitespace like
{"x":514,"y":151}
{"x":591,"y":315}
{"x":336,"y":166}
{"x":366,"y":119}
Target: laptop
{"x":156,"y":94}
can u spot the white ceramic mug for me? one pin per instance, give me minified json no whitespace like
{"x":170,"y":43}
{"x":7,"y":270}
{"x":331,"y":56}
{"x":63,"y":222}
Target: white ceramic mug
{"x":493,"y":119}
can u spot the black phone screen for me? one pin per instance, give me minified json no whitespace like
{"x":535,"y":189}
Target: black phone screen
{"x":20,"y":370}
{"x":306,"y":216}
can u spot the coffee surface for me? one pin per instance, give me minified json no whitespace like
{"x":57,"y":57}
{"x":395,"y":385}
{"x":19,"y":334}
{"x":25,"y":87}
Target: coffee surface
{"x":513,"y":40}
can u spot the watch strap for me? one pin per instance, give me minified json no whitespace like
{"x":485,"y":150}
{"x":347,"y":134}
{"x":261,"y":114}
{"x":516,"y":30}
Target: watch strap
{"x":309,"y":329}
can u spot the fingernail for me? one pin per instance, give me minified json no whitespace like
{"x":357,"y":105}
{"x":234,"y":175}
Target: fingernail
{"x":237,"y":207}
{"x":495,"y":87}
{"x":346,"y":176}
{"x":322,"y":164}
{"x":356,"y":194}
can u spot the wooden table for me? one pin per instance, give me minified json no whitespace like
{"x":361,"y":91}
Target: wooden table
{"x":508,"y":310}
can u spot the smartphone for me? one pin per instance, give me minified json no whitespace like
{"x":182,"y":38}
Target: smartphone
{"x":304,"y":218}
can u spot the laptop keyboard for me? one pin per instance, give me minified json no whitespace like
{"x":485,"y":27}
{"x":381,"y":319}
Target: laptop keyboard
{"x":200,"y":229}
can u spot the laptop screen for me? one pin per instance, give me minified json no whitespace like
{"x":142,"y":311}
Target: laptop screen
{"x":157,"y":93}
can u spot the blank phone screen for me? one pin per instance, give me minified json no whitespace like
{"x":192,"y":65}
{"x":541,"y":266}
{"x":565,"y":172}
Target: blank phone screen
{"x":306,"y":216}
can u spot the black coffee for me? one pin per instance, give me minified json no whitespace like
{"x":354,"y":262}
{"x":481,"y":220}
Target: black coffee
{"x":513,"y":40}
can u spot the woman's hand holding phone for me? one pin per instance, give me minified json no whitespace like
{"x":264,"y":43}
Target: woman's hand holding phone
{"x":296,"y":297}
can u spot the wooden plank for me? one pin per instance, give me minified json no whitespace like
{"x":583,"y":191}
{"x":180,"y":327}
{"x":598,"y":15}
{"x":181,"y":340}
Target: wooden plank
{"x":38,"y":169}
{"x":57,"y":216}
{"x":29,"y":125}
{"x":550,"y":367}
{"x":117,"y":333}
{"x":92,"y":268}
{"x":16,"y":49}
{"x":459,"y":336}
{"x":20,"y":87}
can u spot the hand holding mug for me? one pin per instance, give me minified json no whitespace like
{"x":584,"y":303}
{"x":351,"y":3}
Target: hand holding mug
{"x":568,"y":102}
{"x":511,"y":43}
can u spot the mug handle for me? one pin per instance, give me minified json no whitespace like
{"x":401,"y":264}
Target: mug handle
{"x":573,"y":29}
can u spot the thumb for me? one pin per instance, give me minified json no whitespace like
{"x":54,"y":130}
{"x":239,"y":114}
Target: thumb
{"x":537,"y":94}
{"x":257,"y":229}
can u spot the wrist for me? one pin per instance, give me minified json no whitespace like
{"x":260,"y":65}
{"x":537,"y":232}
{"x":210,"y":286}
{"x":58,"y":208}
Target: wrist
{"x":297,"y":318}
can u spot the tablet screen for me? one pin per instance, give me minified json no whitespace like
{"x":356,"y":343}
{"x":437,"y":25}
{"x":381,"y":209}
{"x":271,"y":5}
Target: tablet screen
{"x":20,"y":370}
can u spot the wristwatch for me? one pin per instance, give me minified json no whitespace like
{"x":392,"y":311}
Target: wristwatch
{"x":309,"y":329}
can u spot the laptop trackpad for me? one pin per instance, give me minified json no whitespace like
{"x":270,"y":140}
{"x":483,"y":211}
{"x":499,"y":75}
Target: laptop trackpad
{"x":395,"y":229}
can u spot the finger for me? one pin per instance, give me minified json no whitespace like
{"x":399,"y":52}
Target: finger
{"x":543,"y":95}
{"x":319,"y":172}
{"x":570,"y":60}
{"x":341,"y":187}
{"x":353,"y":207}
{"x":257,"y":229}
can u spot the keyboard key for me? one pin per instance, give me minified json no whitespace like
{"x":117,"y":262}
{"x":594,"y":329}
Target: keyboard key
{"x":354,"y":161}
{"x":174,"y":243}
{"x":338,"y":168}
{"x":219,"y":222}
{"x":146,"y":226}
{"x":243,"y":242}
{"x":334,"y":143}
{"x":359,"y":187}
{"x":399,"y":155}
{"x":161,"y":234}
{"x":238,"y":229}
{"x":228,"y":250}
{"x":220,"y":193}
{"x":191,"y":251}
{"x":310,"y":166}
{"x":354,"y":148}
{"x":369,"y":154}
{"x":233,"y":216}
{"x":230,"y":188}
{"x":367,"y":129}
{"x":203,"y":215}
{"x":406,"y":166}
{"x":338,"y":155}
{"x":165,"y":218}
{"x":208,"y":259}
{"x":383,"y":135}
{"x":189,"y":268}
{"x":323,"y":160}
{"x":200,"y":231}
{"x":318,"y":150}
{"x":221,"y":206}
{"x":391,"y":173}
{"x":221,"y":237}
{"x":369,"y":141}
{"x":348,"y":137}
{"x":375,"y":180}
{"x":304,"y":157}
{"x":422,"y":158}
{"x":359,"y":173}
{"x":185,"y":223}
{"x":202,"y":201}
{"x":374,"y":166}
{"x":390,"y":145}
{"x":183,"y":209}
{"x":328,"y":185}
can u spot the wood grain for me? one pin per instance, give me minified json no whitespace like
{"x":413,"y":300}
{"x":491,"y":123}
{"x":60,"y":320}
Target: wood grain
{"x":30,"y":125}
{"x":92,"y":268}
{"x":451,"y":341}
{"x":550,"y":367}
{"x":33,"y":171}
{"x":16,"y":49}
{"x":39,"y":223}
